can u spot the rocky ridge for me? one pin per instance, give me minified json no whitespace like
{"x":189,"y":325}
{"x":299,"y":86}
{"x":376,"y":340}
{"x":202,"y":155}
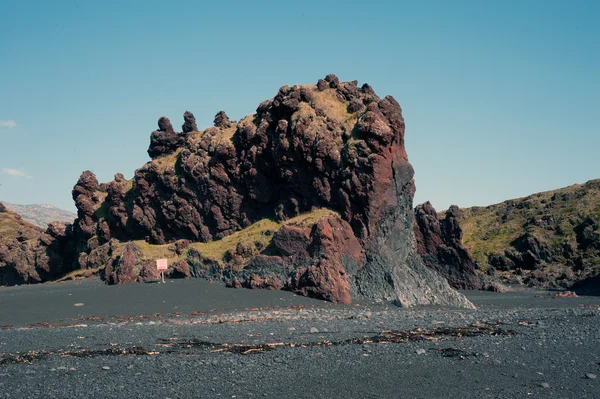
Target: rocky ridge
{"x":546,"y":240}
{"x":334,"y":146}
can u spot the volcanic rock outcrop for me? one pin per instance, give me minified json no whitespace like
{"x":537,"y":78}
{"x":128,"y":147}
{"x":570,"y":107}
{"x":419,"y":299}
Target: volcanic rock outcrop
{"x":545,"y":240}
{"x":439,"y":242}
{"x":333,"y":145}
{"x":29,"y":254}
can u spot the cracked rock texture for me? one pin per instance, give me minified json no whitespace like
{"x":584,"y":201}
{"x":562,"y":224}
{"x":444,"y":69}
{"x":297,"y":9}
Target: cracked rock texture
{"x":334,"y":145}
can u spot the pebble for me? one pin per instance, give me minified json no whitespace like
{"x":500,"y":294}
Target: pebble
{"x":420,"y":351}
{"x":79,"y":304}
{"x":314,"y":330}
{"x":590,"y":376}
{"x":544,"y":385}
{"x":105,"y":368}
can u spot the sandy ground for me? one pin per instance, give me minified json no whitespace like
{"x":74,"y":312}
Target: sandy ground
{"x":193,"y":339}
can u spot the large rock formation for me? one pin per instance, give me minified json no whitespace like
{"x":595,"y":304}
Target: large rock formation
{"x":439,"y":242}
{"x":333,"y":145}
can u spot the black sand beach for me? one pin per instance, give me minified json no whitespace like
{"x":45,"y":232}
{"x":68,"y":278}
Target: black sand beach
{"x":189,"y":339}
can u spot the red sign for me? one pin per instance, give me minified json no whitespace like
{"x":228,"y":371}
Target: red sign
{"x":161,"y":265}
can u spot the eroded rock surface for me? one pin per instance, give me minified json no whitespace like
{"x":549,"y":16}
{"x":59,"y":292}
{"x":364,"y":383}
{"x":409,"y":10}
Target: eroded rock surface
{"x":439,"y":242}
{"x":333,"y":145}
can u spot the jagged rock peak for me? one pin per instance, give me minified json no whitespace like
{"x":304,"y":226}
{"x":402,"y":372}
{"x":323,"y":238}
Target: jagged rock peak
{"x":164,"y":125}
{"x":334,"y":154}
{"x":165,"y":140}
{"x":333,"y":80}
{"x":87,"y":181}
{"x":440,"y":246}
{"x":222,"y":120}
{"x":189,"y":124}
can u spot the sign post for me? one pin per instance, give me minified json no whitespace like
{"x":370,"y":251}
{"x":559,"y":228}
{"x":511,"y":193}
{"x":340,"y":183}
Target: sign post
{"x":162,"y":266}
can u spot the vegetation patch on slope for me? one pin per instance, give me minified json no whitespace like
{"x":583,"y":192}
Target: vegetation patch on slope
{"x":551,"y":221}
{"x":12,"y":225}
{"x":258,"y":235}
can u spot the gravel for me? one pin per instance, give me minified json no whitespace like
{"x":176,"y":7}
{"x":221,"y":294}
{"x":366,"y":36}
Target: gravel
{"x":528,"y":347}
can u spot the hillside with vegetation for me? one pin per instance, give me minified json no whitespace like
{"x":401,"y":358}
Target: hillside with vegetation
{"x":41,"y":215}
{"x":546,"y":239}
{"x":12,"y":226}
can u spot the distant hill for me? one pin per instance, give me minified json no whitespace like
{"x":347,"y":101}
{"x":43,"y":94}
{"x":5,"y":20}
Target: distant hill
{"x":41,"y":214}
{"x":12,"y":226}
{"x":546,"y":239}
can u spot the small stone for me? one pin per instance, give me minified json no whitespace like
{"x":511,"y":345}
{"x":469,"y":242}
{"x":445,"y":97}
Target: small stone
{"x":79,"y":304}
{"x":105,"y":368}
{"x":313,"y":330}
{"x":590,"y":376}
{"x":291,"y":329}
{"x":420,"y":351}
{"x":544,"y":385}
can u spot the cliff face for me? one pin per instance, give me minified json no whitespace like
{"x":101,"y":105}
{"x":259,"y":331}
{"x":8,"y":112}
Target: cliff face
{"x":332,"y":146}
{"x":439,"y":243}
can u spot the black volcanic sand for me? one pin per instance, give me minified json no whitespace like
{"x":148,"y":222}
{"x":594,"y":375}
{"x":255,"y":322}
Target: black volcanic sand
{"x":211,"y":342}
{"x":69,"y":302}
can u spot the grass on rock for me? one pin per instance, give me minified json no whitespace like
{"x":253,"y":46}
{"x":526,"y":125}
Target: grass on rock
{"x":258,"y":234}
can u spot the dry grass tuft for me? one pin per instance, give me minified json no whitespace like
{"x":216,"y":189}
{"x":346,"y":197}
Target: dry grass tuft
{"x":82,"y":274}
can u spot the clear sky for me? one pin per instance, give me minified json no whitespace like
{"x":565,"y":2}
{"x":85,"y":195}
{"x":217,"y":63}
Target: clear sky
{"x":501,"y":98}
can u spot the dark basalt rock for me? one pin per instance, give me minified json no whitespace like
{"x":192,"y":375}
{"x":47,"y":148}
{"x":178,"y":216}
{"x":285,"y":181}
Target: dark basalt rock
{"x":335,"y":146}
{"x":165,"y":140}
{"x":130,"y":268}
{"x":530,"y":244}
{"x":36,"y":256}
{"x":439,"y":242}
{"x":164,"y":125}
{"x":222,"y":120}
{"x":189,"y":124}
{"x":587,"y":234}
{"x":2,"y":208}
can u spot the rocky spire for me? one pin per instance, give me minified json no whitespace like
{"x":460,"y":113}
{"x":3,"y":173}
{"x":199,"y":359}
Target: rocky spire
{"x":222,"y":120}
{"x":164,"y":125}
{"x":189,"y":124}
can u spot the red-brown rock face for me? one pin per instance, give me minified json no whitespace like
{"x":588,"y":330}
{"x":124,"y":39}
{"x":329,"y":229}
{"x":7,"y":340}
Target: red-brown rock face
{"x":330,"y":148}
{"x":333,"y":145}
{"x":439,"y":244}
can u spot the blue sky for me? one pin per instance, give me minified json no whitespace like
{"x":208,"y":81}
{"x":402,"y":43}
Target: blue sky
{"x":501,"y":98}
